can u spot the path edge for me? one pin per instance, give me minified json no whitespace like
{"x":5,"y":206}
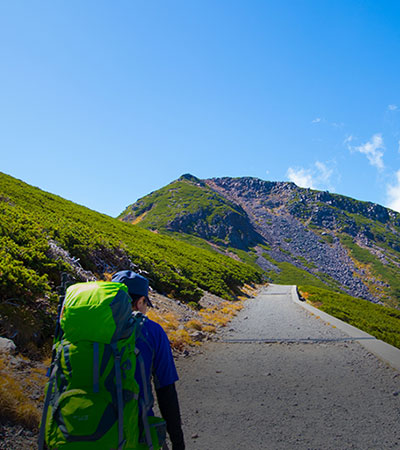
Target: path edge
{"x":384,"y":351}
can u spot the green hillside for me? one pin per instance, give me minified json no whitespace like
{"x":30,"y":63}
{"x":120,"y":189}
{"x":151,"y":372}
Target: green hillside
{"x":289,"y":274}
{"x":193,"y":208}
{"x":178,"y":198}
{"x":37,"y":227}
{"x":296,"y":235}
{"x":377,"y":320}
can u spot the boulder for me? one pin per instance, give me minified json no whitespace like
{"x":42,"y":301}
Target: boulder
{"x":7,"y":346}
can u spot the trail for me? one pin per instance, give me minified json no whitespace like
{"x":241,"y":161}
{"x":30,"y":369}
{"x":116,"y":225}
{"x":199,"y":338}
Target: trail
{"x":309,"y":387}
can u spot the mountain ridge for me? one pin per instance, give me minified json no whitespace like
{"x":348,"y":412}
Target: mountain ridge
{"x":349,"y":245}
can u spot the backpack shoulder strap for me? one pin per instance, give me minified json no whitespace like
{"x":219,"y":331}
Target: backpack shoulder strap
{"x":147,"y":401}
{"x":140,"y":320}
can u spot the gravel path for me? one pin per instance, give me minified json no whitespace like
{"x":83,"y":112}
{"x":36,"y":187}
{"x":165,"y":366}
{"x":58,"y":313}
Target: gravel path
{"x":325,"y":394}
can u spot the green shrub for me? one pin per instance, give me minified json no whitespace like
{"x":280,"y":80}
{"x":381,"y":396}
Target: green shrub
{"x":30,"y":218}
{"x":195,"y":306}
{"x":379,"y":321}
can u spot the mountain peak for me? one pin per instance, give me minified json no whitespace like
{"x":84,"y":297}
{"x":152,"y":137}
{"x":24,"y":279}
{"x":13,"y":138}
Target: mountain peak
{"x":189,"y":177}
{"x":292,"y":233}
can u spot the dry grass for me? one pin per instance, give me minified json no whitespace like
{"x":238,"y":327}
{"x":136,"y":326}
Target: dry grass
{"x":220,"y":316}
{"x":169,"y":321}
{"x":177,"y":335}
{"x":194,"y":324}
{"x":250,"y":291}
{"x":16,"y":405}
{"x":207,"y":320}
{"x":209,"y":329}
{"x":180,"y":339}
{"x":139,"y":219}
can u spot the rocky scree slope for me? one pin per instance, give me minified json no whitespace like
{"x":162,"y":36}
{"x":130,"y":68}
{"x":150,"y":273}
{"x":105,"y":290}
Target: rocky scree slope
{"x":293,"y":234}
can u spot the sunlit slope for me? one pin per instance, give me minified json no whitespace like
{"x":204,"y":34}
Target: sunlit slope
{"x":380,"y":321}
{"x":189,"y":206}
{"x":295,"y":235}
{"x":36,"y":227}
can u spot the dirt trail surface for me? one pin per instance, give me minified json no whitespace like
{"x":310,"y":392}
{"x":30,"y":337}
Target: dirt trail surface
{"x":329,"y":393}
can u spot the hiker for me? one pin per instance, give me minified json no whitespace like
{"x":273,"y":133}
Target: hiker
{"x":155,"y":349}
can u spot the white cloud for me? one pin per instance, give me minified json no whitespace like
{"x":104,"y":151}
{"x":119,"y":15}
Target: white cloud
{"x":301,"y":177}
{"x":325,"y":121}
{"x":324,"y":174}
{"x":318,"y":177}
{"x":393,"y":193}
{"x":373,"y":150}
{"x":392,"y":107}
{"x":348,"y":139}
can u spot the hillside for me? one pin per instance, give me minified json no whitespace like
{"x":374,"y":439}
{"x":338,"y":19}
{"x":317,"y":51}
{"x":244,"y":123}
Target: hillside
{"x":296,"y":235}
{"x":191,"y":207}
{"x":42,"y":235}
{"x":192,"y":237}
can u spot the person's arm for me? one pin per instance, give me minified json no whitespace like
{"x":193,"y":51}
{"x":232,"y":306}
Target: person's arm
{"x":169,"y":407}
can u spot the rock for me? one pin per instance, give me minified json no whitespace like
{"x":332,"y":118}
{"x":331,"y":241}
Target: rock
{"x":7,"y":346}
{"x":198,"y":336}
{"x":19,"y":363}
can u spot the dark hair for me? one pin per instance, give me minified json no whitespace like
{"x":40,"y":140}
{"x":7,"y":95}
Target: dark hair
{"x":135,"y":298}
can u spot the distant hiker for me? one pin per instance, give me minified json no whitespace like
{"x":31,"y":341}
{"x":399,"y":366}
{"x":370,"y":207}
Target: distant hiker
{"x":155,"y":350}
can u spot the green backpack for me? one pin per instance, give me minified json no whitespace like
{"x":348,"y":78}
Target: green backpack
{"x":92,"y":396}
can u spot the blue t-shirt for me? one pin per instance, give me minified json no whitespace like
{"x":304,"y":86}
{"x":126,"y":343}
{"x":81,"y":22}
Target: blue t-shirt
{"x":155,"y":350}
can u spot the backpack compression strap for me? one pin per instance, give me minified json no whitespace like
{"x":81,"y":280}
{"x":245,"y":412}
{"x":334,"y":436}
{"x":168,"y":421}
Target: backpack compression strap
{"x":96,"y":364}
{"x":47,"y":402}
{"x":120,"y":402}
{"x":145,"y":403}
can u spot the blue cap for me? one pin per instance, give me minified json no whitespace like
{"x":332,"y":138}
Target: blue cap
{"x":137,"y":285}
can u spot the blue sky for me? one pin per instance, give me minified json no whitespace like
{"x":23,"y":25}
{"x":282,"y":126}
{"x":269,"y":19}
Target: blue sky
{"x":102,"y":102}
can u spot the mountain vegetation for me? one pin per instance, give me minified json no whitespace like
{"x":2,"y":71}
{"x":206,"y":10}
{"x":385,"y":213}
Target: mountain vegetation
{"x":191,"y":207}
{"x":343,"y":253}
{"x":381,"y":322}
{"x":295,"y":235}
{"x":191,"y":236}
{"x":42,"y":235}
